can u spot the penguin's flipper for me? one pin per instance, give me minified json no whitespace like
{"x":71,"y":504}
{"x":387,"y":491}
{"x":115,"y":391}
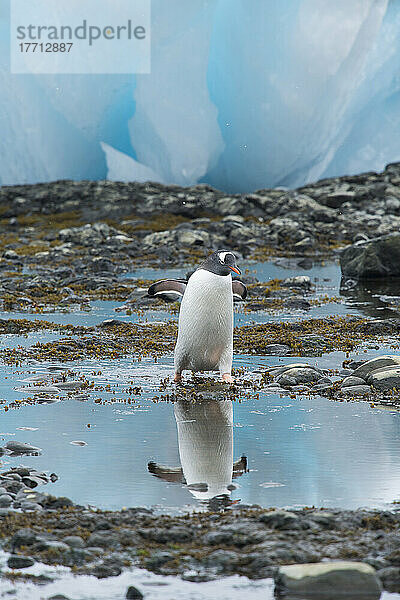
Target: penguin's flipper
{"x":172,"y":474}
{"x":239,"y":290}
{"x":169,"y":290}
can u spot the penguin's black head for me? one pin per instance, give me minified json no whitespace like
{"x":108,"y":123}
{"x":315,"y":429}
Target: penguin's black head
{"x":221,"y":262}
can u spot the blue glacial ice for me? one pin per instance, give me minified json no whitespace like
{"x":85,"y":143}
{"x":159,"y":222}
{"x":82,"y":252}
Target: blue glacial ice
{"x":242,"y":95}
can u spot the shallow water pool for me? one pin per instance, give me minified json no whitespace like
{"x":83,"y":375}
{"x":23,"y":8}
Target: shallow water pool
{"x":304,"y":451}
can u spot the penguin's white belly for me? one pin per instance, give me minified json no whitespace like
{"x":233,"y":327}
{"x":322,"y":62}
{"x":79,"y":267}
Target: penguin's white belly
{"x":205,"y":436}
{"x":205,"y":337}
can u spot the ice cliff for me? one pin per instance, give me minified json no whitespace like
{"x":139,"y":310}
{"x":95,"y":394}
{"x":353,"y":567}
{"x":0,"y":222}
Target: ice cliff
{"x":242,"y":94}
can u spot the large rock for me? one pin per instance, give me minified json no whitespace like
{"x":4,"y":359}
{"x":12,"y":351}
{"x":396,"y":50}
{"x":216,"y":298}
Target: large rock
{"x":352,"y":381}
{"x":330,"y":580}
{"x":194,"y":237}
{"x":22,"y":448}
{"x":89,"y":235}
{"x":300,"y":281}
{"x":375,"y":364}
{"x":385,"y":379}
{"x":379,"y":257}
{"x":17,"y":561}
{"x":279,"y":370}
{"x":159,"y":238}
{"x":355,"y":390}
{"x":280,"y":519}
{"x":299,"y":375}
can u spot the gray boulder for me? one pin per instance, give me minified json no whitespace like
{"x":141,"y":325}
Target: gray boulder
{"x":379,"y":257}
{"x":279,"y":370}
{"x":195,"y":237}
{"x":280,"y":519}
{"x":300,"y":375}
{"x":330,"y":580}
{"x":356,"y":390}
{"x":277,"y":349}
{"x":159,"y":238}
{"x":297,"y":303}
{"x":375,"y":364}
{"x":22,"y":448}
{"x":17,"y":561}
{"x":89,"y":235}
{"x":352,"y":380}
{"x":229,"y":205}
{"x":286,"y":381}
{"x":5,"y":500}
{"x":300,"y":281}
{"x":385,"y":379}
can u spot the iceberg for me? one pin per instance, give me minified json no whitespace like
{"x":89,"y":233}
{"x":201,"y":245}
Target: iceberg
{"x":241,"y":95}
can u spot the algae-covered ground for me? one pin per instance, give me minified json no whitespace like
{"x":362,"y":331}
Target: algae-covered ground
{"x":113,"y":338}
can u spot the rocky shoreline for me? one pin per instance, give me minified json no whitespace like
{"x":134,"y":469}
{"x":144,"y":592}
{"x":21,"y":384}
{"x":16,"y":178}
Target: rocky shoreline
{"x":104,"y":226}
{"x":246,"y":540}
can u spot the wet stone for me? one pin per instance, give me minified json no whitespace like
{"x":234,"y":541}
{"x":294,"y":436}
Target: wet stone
{"x":23,"y":537}
{"x":275,"y":371}
{"x":324,"y":380}
{"x":158,"y":559}
{"x":21,"y":448}
{"x":30,"y":506}
{"x":223,"y":559}
{"x":132,"y":593}
{"x":5,"y":501}
{"x":32,"y":482}
{"x":300,"y":375}
{"x":385,"y":380}
{"x":74,"y":541}
{"x":280,"y":519}
{"x":297,"y":303}
{"x":240,"y":535}
{"x":103,"y":539}
{"x":322,"y":387}
{"x":323,"y":518}
{"x":13,"y":486}
{"x":53,"y":545}
{"x":390,"y":577}
{"x":356,"y":390}
{"x":378,"y":257}
{"x":286,"y":381}
{"x":19,"y":562}
{"x":376,"y":363}
{"x":14,"y":476}
{"x":277,"y":349}
{"x":107,"y":569}
{"x":299,"y":281}
{"x":173,"y":534}
{"x":321,"y":578}
{"x":352,"y":380}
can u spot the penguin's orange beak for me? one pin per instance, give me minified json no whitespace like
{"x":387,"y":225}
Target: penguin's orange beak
{"x":235,"y":270}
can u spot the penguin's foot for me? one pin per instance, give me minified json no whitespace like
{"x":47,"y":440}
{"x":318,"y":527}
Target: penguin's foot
{"x":178,"y":377}
{"x":227,"y":378}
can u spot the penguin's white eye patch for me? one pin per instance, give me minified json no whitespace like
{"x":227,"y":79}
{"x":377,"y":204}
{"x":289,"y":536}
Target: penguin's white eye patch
{"x":222,"y":256}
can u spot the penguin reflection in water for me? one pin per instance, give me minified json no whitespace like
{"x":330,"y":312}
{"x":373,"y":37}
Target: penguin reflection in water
{"x":205,"y":440}
{"x":205,"y":335}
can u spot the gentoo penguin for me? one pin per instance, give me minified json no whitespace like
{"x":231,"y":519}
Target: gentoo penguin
{"x":205,"y":440}
{"x":205,"y":334}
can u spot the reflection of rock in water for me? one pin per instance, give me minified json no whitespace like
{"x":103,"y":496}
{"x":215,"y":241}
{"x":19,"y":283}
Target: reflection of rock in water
{"x":375,"y":297}
{"x":205,"y":439}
